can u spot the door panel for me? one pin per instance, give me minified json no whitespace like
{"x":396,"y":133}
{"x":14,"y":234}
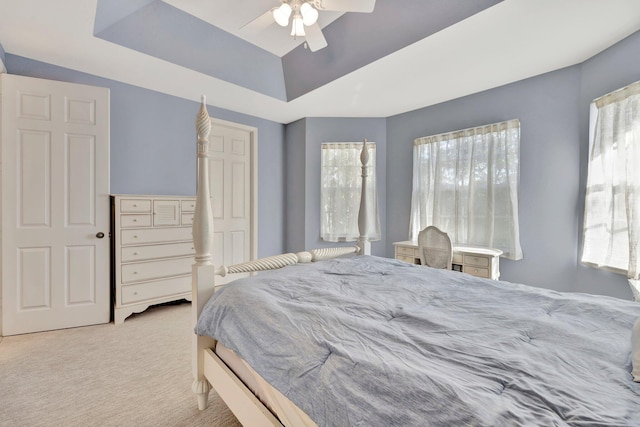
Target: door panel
{"x":33,"y":285}
{"x":33,"y":106}
{"x":81,"y":283}
{"x":238,"y":191}
{"x":217,"y":187}
{"x":34,"y":153}
{"x":80,"y":158}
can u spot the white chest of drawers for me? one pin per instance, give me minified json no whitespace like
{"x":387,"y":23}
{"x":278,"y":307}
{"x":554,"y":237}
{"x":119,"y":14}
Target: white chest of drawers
{"x":480,"y":262}
{"x":151,"y":251}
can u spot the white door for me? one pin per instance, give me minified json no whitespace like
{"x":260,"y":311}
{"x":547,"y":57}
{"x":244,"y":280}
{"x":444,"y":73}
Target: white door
{"x":55,"y":205}
{"x":232,"y":176}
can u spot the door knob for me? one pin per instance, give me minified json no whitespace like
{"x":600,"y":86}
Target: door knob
{"x":100,"y":235}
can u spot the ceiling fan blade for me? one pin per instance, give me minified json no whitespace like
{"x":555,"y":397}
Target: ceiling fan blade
{"x":259,"y":24}
{"x":315,"y":38}
{"x":365,"y":6}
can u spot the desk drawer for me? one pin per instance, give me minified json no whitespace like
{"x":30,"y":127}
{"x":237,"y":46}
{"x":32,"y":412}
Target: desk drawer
{"x":476,"y":271}
{"x":409,"y":259}
{"x":403,"y":250}
{"x":156,"y":269}
{"x":479,"y":261}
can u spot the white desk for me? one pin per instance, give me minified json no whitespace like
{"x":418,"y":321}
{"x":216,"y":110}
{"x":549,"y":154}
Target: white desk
{"x":481,"y":262}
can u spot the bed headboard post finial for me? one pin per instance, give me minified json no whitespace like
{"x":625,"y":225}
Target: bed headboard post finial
{"x":364,"y":216}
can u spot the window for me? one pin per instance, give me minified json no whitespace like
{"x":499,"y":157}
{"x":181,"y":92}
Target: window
{"x":466,"y":183}
{"x":612,"y":201}
{"x":341,"y":181}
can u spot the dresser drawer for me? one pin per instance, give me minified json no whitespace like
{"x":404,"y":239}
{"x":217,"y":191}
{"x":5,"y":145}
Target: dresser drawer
{"x":156,"y":269}
{"x":135,"y":205}
{"x":457,"y":258}
{"x":128,"y":221}
{"x":187,"y":218}
{"x":158,"y":289}
{"x":139,"y":253}
{"x":188,"y":205}
{"x":155,"y":235}
{"x":479,"y":261}
{"x":476,"y":271}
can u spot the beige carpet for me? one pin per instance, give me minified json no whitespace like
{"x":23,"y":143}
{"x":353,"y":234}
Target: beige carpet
{"x":134,"y":374}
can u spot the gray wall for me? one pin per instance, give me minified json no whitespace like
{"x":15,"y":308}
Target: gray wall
{"x":553,"y":112}
{"x":296,"y":218}
{"x":153,"y":142}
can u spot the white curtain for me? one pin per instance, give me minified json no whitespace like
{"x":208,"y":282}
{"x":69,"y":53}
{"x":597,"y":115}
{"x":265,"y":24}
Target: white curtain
{"x":341,"y":180}
{"x":612,"y":204}
{"x":466,"y":184}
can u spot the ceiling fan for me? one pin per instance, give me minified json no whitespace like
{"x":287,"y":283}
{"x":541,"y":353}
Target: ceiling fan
{"x":303,"y":17}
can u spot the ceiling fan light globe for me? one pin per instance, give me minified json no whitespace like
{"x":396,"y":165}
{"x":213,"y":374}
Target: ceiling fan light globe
{"x":309,"y":14}
{"x":281,"y":14}
{"x":297,"y":27}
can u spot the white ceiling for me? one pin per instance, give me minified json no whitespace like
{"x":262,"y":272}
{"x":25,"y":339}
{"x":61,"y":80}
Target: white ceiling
{"x":511,"y":41}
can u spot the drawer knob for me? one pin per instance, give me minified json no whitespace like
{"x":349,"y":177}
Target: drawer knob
{"x":135,"y":253}
{"x":135,"y":220}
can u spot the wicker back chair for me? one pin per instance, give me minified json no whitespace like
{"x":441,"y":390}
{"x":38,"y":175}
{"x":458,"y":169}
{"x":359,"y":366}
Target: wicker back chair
{"x":435,"y":248}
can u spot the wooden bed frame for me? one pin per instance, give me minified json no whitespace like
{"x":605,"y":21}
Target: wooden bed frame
{"x":208,"y":369}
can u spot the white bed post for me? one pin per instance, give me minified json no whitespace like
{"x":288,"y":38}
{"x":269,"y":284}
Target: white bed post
{"x":203,"y":271}
{"x":365,"y":219}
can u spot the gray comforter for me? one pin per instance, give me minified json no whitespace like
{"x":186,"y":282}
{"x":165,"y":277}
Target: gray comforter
{"x":367,"y":341}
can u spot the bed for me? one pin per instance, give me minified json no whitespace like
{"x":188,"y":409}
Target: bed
{"x":337,"y":337}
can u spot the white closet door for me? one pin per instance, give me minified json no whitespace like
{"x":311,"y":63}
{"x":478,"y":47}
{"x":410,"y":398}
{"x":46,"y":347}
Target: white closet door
{"x":233,"y":193}
{"x":55,"y":205}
